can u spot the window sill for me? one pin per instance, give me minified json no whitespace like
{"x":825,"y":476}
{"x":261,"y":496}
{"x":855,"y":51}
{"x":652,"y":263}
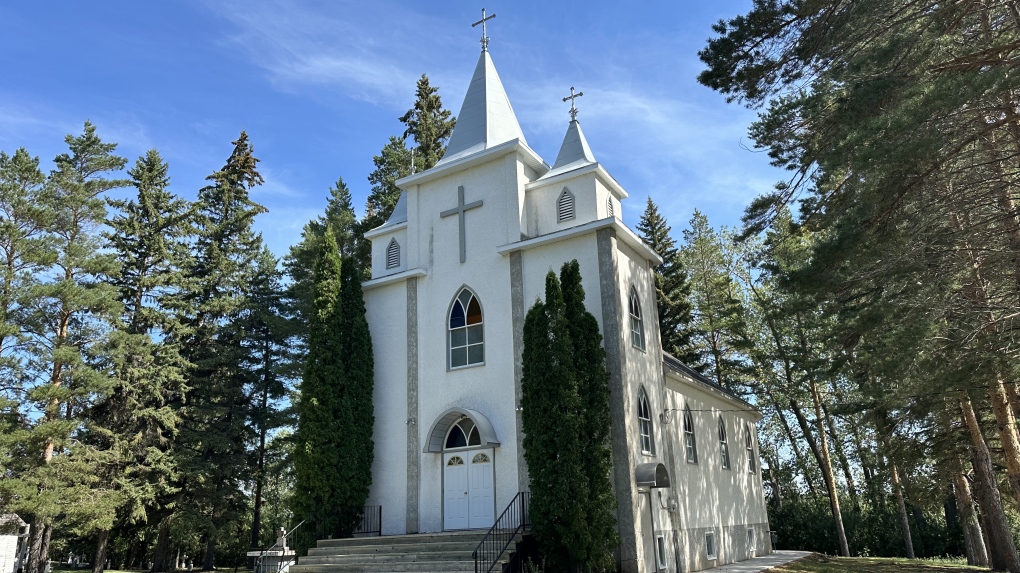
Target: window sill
{"x":465,"y":367}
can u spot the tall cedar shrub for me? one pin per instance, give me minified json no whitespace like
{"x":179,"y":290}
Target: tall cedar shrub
{"x":333,"y":443}
{"x":566,"y":428}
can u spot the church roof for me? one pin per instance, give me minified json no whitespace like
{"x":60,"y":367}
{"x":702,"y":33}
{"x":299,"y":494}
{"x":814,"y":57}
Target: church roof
{"x":486,"y":118}
{"x":397,"y":217}
{"x":574,"y":152}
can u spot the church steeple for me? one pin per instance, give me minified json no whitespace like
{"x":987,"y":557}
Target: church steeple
{"x":574,"y":151}
{"x":486,"y":119}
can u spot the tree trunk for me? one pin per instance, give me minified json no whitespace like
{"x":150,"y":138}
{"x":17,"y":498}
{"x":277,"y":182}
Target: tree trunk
{"x":908,"y":543}
{"x":99,"y":561}
{"x":1008,"y":436}
{"x":844,"y":463}
{"x":973,"y":539}
{"x":805,"y":428}
{"x":260,"y":478}
{"x":161,"y":553}
{"x":35,"y":537}
{"x":830,"y":479}
{"x":210,"y":554}
{"x":1002,"y":549}
{"x":797,"y":454}
{"x":44,"y":548}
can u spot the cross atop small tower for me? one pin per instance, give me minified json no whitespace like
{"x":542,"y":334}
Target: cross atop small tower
{"x":485,"y":39}
{"x":572,"y":97}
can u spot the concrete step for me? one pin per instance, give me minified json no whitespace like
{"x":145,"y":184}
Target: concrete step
{"x":433,"y":546}
{"x":448,"y":536}
{"x":405,"y":567}
{"x":410,"y":556}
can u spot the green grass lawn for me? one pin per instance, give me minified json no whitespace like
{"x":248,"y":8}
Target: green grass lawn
{"x":825,"y":564}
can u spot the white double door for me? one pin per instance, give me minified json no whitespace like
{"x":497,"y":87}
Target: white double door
{"x":468,"y":489}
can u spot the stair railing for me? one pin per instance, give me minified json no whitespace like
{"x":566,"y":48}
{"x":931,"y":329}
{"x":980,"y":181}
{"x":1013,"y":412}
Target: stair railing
{"x":513,"y":520}
{"x":276,"y":547}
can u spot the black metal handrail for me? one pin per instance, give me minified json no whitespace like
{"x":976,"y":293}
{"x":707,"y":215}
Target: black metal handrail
{"x":512,"y":521}
{"x":371,"y":521}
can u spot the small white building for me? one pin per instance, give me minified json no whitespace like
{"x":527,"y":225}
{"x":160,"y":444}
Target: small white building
{"x":454,"y":271}
{"x":13,"y":543}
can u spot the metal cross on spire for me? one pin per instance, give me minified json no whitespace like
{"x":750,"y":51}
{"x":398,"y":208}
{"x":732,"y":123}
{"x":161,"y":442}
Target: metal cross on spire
{"x":485,"y":39}
{"x":572,"y":97}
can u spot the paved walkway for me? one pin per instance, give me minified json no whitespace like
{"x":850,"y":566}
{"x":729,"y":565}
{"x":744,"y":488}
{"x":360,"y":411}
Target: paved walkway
{"x":762,"y":563}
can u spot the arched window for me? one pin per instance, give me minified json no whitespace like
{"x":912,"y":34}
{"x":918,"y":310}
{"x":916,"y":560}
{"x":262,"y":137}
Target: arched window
{"x":393,"y":254}
{"x":637,"y":326}
{"x":565,"y":206}
{"x":610,"y":210}
{"x":644,"y":415}
{"x":463,"y":434}
{"x":749,"y":443}
{"x":689,"y":441}
{"x":724,"y":446}
{"x":467,"y":345}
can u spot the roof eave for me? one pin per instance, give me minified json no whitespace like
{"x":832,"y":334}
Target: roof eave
{"x":527,"y":155}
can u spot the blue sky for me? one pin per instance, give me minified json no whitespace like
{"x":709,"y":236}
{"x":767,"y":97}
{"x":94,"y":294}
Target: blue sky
{"x":319,"y":86}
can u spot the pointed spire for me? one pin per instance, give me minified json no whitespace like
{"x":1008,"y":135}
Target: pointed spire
{"x":574,"y":151}
{"x":486,"y":119}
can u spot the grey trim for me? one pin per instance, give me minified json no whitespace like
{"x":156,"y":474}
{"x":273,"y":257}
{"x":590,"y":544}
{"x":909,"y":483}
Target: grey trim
{"x":413,"y":457}
{"x":517,"y":316}
{"x":616,"y":363}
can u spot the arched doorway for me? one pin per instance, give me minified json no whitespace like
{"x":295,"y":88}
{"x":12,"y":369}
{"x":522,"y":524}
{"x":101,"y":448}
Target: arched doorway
{"x":468,"y":485}
{"x":468,"y":446}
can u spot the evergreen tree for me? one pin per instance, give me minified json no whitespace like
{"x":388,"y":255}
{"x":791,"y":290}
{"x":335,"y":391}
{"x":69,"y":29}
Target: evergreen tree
{"x":214,"y":432}
{"x":392,"y":163}
{"x":429,"y":124}
{"x":300,"y":262}
{"x":593,"y":423}
{"x":717,"y":302}
{"x":270,"y":363}
{"x":672,"y":290}
{"x":333,"y":449}
{"x":71,"y":319}
{"x":130,"y":432}
{"x":552,"y":424}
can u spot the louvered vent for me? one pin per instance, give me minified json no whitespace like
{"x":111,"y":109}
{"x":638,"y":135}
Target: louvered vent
{"x":565,"y":206}
{"x":609,"y":207}
{"x":393,"y":254}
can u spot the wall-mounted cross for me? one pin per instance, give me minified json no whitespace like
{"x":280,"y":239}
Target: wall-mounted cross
{"x":485,"y":39}
{"x":572,"y":97}
{"x":459,"y":210}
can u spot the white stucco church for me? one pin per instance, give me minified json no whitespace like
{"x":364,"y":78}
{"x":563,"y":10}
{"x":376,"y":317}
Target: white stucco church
{"x":454,"y":271}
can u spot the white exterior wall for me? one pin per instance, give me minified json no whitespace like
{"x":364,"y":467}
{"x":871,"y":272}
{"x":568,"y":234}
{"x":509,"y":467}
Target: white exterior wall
{"x":8,"y":553}
{"x":380,"y":243}
{"x":541,"y":204}
{"x":386,"y":311}
{"x":712,"y":498}
{"x":487,"y":388}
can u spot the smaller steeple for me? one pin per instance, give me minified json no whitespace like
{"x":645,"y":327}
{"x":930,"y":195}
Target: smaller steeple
{"x":574,"y":151}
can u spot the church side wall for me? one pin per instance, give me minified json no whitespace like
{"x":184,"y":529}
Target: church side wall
{"x":387,"y":318}
{"x":644,"y":371}
{"x":726,"y":502}
{"x":541,"y":205}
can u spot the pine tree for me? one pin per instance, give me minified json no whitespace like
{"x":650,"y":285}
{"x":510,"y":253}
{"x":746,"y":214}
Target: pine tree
{"x":672,"y":290}
{"x":594,"y":425}
{"x":71,"y":317}
{"x":551,"y":418}
{"x":300,"y":262}
{"x":214,"y":432}
{"x":392,"y":163}
{"x":429,"y":124}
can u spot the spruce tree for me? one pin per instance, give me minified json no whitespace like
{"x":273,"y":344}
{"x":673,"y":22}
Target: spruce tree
{"x":672,"y":289}
{"x":551,"y":417}
{"x":215,"y":434}
{"x":429,"y":124}
{"x":129,"y":432}
{"x":392,"y":163}
{"x":300,"y":261}
{"x":594,"y":425}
